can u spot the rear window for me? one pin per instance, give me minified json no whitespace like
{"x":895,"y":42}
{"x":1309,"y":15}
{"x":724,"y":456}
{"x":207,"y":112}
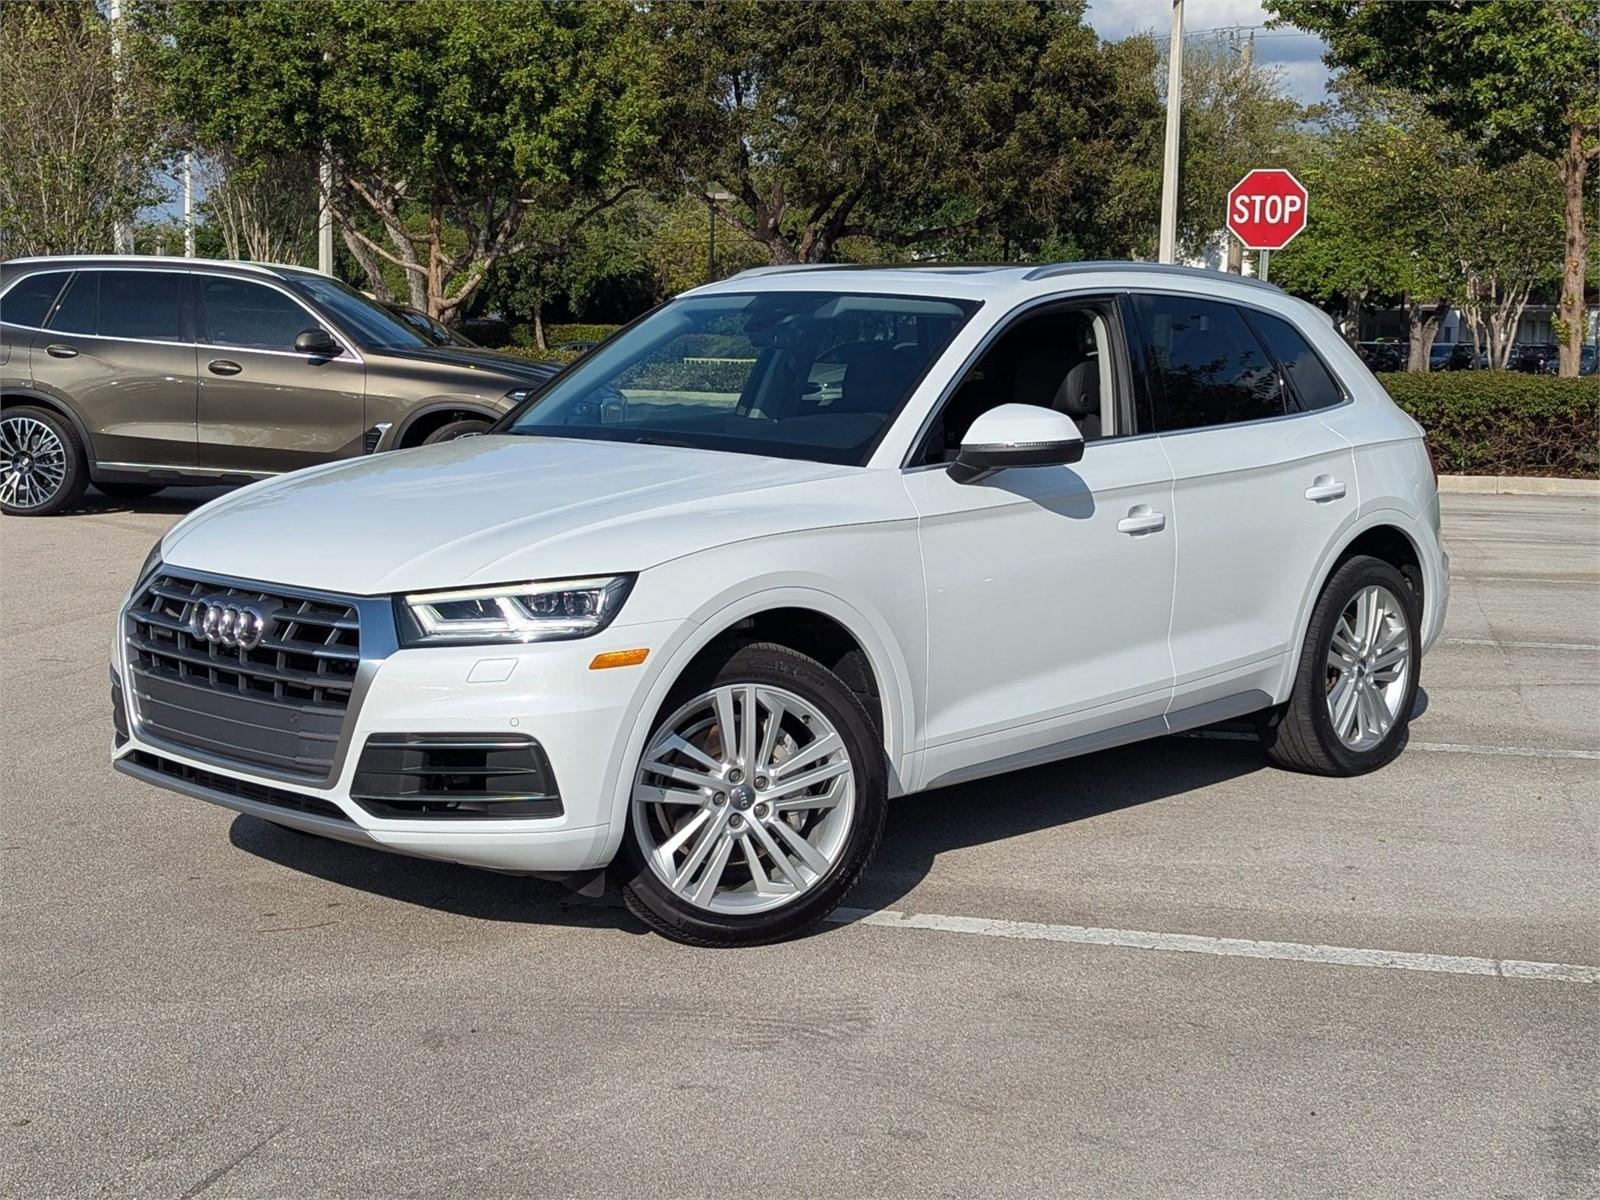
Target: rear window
{"x":29,"y":301}
{"x":1208,"y":366}
{"x":147,"y":305}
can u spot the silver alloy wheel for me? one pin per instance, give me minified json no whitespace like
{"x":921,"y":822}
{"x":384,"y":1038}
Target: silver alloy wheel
{"x":1369,"y":664}
{"x":744,"y":799}
{"x":33,"y":462}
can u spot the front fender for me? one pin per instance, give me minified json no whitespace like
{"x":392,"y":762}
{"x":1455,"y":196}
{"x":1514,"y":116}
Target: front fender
{"x":871,"y":629}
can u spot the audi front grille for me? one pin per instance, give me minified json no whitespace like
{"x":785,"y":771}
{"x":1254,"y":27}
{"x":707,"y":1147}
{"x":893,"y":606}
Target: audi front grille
{"x":248,"y":676}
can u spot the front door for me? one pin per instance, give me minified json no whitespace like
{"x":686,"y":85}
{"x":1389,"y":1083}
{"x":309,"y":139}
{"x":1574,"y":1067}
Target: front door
{"x":1049,"y":589}
{"x":263,"y":406}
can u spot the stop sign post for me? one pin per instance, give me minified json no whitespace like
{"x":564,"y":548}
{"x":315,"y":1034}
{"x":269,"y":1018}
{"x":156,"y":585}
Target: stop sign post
{"x":1266,"y":210}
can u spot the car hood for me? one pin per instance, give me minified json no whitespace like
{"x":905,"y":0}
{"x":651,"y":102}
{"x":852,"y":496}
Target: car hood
{"x":501,"y":508}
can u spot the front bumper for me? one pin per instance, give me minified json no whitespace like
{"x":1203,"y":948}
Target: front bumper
{"x":580,"y":718}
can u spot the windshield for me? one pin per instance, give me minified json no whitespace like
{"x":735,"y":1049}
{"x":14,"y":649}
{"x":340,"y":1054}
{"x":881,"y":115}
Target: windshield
{"x":368,"y":323}
{"x":436,"y":332}
{"x":809,"y":375}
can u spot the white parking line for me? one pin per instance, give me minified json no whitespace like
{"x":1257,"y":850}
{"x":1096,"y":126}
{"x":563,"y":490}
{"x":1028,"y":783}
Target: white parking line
{"x":1233,"y":735}
{"x":1504,"y":645}
{"x":1188,"y":943}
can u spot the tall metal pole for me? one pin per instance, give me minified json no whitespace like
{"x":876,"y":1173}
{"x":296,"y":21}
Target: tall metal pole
{"x":121,"y":227}
{"x":188,"y":204}
{"x":1168,"y":251}
{"x":325,"y":217}
{"x":711,"y":245}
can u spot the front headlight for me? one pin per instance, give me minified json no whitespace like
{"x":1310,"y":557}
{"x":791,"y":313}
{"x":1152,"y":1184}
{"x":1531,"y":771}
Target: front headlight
{"x":518,"y":395}
{"x":554,"y":610}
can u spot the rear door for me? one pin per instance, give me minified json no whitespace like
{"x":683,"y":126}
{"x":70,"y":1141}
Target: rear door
{"x":1260,"y":487}
{"x":265,"y":407}
{"x":118,"y":344}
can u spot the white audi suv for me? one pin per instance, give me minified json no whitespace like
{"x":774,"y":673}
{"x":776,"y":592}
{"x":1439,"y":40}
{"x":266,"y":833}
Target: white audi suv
{"x":790,"y":546}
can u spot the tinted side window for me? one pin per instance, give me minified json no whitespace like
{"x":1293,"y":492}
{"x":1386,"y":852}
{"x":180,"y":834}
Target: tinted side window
{"x":239,"y":313}
{"x":29,"y":301}
{"x":1309,"y":377}
{"x":142,"y":304}
{"x":1207,"y":366}
{"x":78,"y":311}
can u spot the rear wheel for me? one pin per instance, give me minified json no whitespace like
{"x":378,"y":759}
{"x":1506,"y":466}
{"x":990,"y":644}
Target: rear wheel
{"x":41,"y":463}
{"x":1357,"y":681}
{"x":757,"y":803}
{"x":454,"y":430}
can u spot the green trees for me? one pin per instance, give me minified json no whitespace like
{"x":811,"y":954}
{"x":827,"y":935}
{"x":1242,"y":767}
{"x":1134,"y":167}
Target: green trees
{"x":447,"y":122}
{"x":76,"y":153}
{"x":906,"y":123}
{"x":1518,"y":77}
{"x":1405,"y":207}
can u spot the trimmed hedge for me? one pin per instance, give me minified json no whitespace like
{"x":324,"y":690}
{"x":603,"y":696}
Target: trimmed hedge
{"x":522,"y":340}
{"x":1504,"y":422}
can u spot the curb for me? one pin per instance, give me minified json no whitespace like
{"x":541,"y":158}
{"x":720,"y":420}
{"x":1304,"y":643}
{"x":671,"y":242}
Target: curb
{"x":1518,"y":485}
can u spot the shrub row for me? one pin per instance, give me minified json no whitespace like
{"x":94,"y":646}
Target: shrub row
{"x":1503,"y":422}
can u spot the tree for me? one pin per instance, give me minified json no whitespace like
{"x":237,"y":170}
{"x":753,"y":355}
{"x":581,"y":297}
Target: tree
{"x":448,"y":123}
{"x":77,"y":150}
{"x":1517,"y":76}
{"x":262,"y":211}
{"x":1386,"y":219}
{"x":1510,"y":242}
{"x":902,"y":122}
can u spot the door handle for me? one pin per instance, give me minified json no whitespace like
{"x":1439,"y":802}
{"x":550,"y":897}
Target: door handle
{"x":1325,"y":487}
{"x":59,"y":351}
{"x":1141,"y":519}
{"x":222,"y":366}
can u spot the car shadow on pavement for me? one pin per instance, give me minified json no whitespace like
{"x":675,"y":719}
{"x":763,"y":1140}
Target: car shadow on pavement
{"x":922,"y":827}
{"x":448,"y":887}
{"x":919,"y":829}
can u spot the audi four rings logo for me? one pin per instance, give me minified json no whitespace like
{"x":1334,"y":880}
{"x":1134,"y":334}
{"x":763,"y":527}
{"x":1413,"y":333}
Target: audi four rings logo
{"x":235,"y":626}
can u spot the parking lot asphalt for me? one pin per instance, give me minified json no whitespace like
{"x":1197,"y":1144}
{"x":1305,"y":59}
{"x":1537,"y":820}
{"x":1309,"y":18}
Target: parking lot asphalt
{"x":1161,"y":970}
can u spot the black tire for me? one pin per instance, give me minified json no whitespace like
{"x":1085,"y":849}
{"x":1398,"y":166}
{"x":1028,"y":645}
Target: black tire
{"x":128,"y":491}
{"x":766,"y":663}
{"x":454,"y":429}
{"x":1300,"y":735}
{"x":75,"y":472}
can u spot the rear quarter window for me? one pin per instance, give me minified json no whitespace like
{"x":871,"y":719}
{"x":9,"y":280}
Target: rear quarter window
{"x":29,"y":301}
{"x":1313,"y":383}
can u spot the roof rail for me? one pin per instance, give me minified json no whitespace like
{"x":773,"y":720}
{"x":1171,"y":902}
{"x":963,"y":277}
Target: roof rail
{"x":1056,"y":270}
{"x":166,"y":260}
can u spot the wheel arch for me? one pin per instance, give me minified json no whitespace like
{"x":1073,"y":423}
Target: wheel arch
{"x":724,"y":620}
{"x":1386,"y":533}
{"x":423,"y":419}
{"x":17,"y":397}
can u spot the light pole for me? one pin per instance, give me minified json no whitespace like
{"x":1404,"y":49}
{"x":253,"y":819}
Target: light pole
{"x":188,"y":204}
{"x":712,"y":200}
{"x":1168,"y":251}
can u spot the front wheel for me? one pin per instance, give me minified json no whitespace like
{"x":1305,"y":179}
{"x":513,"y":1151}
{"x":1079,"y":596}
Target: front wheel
{"x":1357,"y":680}
{"x":757,"y":803}
{"x":454,"y":430}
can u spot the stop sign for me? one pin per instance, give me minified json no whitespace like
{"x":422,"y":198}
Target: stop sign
{"x":1266,"y":209}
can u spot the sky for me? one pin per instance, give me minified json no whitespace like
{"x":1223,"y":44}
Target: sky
{"x":1298,"y":56}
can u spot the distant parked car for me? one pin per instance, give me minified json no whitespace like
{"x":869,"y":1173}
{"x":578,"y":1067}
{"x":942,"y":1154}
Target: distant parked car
{"x":577,"y":346}
{"x":1535,"y":358}
{"x":136,"y":374}
{"x":1382,"y":356}
{"x":1451,"y":356}
{"x":1586,"y":361}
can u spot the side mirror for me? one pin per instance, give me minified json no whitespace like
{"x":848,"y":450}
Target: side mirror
{"x":1016,"y":435}
{"x":318,"y":343}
